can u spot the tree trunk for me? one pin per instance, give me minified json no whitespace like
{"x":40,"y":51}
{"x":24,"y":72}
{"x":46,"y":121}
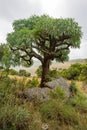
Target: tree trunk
{"x":45,"y":72}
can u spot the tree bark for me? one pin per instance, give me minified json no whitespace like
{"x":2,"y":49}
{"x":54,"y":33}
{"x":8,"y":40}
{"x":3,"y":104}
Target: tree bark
{"x":45,"y":72}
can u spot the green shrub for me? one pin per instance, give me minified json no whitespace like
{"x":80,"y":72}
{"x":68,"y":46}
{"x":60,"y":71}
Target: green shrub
{"x":24,"y":73}
{"x":4,"y":84}
{"x":13,"y":72}
{"x":79,"y":101}
{"x":58,"y":93}
{"x":54,"y":73}
{"x":73,"y":88}
{"x":12,"y":118}
{"x":39,"y":71}
{"x":32,"y":83}
{"x":73,"y":72}
{"x":83,"y":75}
{"x":59,"y":112}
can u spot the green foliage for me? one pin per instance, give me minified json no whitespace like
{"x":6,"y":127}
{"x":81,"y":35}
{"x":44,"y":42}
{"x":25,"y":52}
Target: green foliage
{"x":52,"y":73}
{"x":24,"y":73}
{"x":76,"y":71}
{"x":12,"y":118}
{"x":7,"y":57}
{"x":13,"y":72}
{"x":33,"y":83}
{"x":44,"y":38}
{"x":17,"y":113}
{"x":83,"y":75}
{"x":57,"y":111}
{"x":58,"y":93}
{"x":79,"y":101}
{"x":73,"y":88}
{"x":39,"y":71}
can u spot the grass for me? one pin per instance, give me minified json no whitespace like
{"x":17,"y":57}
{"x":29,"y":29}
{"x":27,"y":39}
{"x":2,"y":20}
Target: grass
{"x":16,"y":113}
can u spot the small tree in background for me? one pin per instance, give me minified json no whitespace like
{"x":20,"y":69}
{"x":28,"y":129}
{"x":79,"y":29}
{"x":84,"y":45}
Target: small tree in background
{"x":44,"y":38}
{"x":2,"y":46}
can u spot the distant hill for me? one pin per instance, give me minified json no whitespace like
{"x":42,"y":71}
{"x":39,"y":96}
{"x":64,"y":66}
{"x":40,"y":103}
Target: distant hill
{"x":54,"y":65}
{"x":78,"y":60}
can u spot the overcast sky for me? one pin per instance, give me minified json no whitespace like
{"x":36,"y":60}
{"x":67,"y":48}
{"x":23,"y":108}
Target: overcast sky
{"x":11,"y":10}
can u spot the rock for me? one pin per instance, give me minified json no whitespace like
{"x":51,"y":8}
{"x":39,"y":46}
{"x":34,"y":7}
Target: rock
{"x":60,"y":82}
{"x":84,"y":86}
{"x":42,"y":94}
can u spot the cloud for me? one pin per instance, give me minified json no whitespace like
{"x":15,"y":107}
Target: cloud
{"x":14,"y":9}
{"x":11,"y":10}
{"x":55,"y":8}
{"x":77,"y":9}
{"x":79,"y":53}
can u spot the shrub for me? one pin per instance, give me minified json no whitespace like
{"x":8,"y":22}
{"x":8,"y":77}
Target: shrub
{"x":13,"y":72}
{"x":52,"y":73}
{"x":4,"y":84}
{"x":73,"y":88}
{"x":58,"y":93}
{"x":24,"y":73}
{"x":59,"y":112}
{"x":57,"y":109}
{"x":12,"y":118}
{"x":32,"y":83}
{"x":79,"y":101}
{"x":83,"y":75}
{"x":73,"y":72}
{"x":39,"y":71}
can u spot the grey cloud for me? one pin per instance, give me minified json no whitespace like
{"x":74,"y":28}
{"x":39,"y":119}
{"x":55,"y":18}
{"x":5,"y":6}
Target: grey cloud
{"x":15,"y":9}
{"x":11,"y":10}
{"x":78,"y":9}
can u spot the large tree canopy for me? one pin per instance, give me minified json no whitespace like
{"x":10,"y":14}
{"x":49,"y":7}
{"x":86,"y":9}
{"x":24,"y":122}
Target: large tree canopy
{"x":44,"y":38}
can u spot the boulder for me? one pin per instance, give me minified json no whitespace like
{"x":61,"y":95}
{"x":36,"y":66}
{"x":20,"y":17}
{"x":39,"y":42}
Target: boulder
{"x":42,"y":94}
{"x":60,"y":82}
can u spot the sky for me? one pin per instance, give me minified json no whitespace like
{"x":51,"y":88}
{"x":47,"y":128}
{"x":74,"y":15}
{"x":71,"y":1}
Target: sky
{"x":11,"y":10}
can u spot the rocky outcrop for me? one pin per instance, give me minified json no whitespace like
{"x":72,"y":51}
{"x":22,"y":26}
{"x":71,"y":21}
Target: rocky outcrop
{"x":42,"y":94}
{"x":60,"y":82}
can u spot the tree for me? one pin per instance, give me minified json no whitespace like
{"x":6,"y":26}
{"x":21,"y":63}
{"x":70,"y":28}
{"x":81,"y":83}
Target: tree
{"x":6,"y":60}
{"x":44,"y":38}
{"x":1,"y":53}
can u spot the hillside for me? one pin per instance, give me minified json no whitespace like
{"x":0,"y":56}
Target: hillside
{"x":57,"y":65}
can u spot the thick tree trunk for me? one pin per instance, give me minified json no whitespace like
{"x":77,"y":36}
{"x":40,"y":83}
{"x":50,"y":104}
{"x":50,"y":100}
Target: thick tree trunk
{"x":45,"y":72}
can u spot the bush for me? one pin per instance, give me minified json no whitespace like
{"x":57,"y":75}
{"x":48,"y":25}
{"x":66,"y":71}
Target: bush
{"x":24,"y":73}
{"x":73,"y":88}
{"x":58,"y":93}
{"x":4,"y":84}
{"x":59,"y":112}
{"x":39,"y":71}
{"x":73,"y":72}
{"x":13,"y":72}
{"x":52,"y":73}
{"x":12,"y":118}
{"x":79,"y":101}
{"x":32,"y":83}
{"x":83,"y":75}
